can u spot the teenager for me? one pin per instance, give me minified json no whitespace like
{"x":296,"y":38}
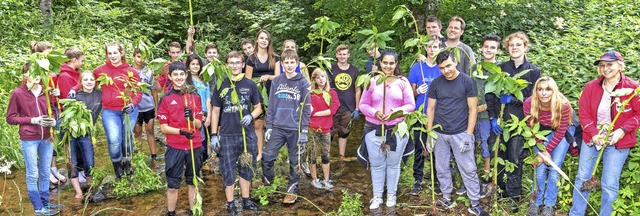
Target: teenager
{"x":433,"y":26}
{"x":343,"y":81}
{"x":453,"y":100}
{"x":549,"y":108}
{"x":261,"y":64}
{"x":377,"y":107}
{"x":490,"y":47}
{"x":517,"y":45}
{"x":301,"y":68}
{"x":454,"y":37}
{"x":421,"y":75}
{"x":289,"y":96}
{"x":596,"y":110}
{"x":320,"y":126}
{"x":82,"y":147}
{"x":174,"y":51}
{"x":194,"y":64}
{"x":114,"y":108}
{"x":247,"y":47}
{"x":147,"y":105}
{"x":373,"y":54}
{"x":229,"y":137}
{"x":28,"y":108}
{"x":180,"y":117}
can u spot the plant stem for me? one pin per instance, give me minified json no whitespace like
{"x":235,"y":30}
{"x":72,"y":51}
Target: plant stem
{"x":193,"y":163}
{"x":190,"y":13}
{"x":497,"y":148}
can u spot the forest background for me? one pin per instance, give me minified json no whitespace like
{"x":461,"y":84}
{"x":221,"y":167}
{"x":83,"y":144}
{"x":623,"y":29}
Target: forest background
{"x":567,"y":36}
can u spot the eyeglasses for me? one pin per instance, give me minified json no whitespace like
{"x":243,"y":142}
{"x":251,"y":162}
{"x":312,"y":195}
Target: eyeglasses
{"x":235,"y":63}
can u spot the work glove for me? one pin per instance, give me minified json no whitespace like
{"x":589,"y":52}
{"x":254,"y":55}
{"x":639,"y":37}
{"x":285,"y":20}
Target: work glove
{"x":215,"y":143}
{"x":422,"y":88}
{"x":188,"y":114}
{"x":505,"y":98}
{"x":54,"y":92}
{"x":301,"y":148}
{"x":186,"y":133}
{"x":467,"y":142}
{"x":48,"y":122}
{"x":431,"y":143}
{"x":246,"y":120}
{"x":71,"y":94}
{"x":303,"y":137}
{"x":128,"y":108}
{"x":38,"y":120}
{"x":495,"y":127}
{"x":355,"y":115}
{"x":267,"y":135}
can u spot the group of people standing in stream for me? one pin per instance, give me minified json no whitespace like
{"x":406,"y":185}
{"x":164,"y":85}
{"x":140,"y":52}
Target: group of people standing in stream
{"x":233,"y":123}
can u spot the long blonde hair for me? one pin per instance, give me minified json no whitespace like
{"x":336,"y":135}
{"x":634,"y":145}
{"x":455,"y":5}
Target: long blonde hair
{"x":557,"y":102}
{"x":317,"y":72}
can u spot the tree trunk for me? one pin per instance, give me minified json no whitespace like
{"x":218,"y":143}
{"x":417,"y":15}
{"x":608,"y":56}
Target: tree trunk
{"x":47,"y":11}
{"x":427,"y":9}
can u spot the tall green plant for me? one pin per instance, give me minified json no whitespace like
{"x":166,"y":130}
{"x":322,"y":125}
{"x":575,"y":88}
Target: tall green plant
{"x":323,"y":28}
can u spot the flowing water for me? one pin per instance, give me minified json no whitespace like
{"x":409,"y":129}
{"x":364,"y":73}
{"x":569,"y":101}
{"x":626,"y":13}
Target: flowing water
{"x":351,"y":177}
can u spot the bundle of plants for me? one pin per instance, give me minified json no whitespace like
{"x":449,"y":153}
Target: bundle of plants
{"x":77,"y":121}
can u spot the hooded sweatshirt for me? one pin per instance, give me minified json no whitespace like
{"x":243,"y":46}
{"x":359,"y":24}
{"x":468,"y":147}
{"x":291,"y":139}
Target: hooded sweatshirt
{"x":67,"y":79}
{"x":323,"y":123}
{"x":24,"y":105}
{"x":285,"y":98}
{"x":111,"y":93}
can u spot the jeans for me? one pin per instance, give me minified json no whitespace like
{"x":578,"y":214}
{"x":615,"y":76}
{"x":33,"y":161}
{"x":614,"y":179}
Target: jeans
{"x":613,"y":160}
{"x":549,"y":194}
{"x":37,"y":159}
{"x":446,"y":145}
{"x":82,"y":150}
{"x":384,"y":166}
{"x":113,"y":121}
{"x":280,"y":137}
{"x":483,"y":129}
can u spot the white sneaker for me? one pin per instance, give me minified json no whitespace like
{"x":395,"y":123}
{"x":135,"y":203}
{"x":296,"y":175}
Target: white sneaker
{"x":391,"y":201}
{"x":317,"y":184}
{"x":375,"y":203}
{"x":81,"y":178}
{"x":305,"y":168}
{"x":327,"y":185}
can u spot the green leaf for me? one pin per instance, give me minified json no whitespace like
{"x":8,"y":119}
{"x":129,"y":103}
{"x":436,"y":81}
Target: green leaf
{"x":224,"y":92}
{"x":541,"y":147}
{"x":327,"y":97}
{"x":366,"y":32}
{"x":522,"y":73}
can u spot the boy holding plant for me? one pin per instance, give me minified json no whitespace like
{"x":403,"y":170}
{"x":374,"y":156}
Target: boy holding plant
{"x":229,"y":139}
{"x":180,"y":121}
{"x":453,"y":101}
{"x":174,"y":52}
{"x":287,"y":122}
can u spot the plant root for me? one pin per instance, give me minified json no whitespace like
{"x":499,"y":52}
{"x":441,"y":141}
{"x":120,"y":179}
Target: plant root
{"x":245,"y":160}
{"x":384,"y":147}
{"x":534,"y":195}
{"x":492,"y":189}
{"x":590,"y":185}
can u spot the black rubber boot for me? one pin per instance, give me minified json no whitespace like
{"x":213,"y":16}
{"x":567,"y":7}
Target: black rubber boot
{"x":117,"y":168}
{"x":127,"y":167}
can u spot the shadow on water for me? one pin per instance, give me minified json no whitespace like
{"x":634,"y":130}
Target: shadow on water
{"x":351,"y":177}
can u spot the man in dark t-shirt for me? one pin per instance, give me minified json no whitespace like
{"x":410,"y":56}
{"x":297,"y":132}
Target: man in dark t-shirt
{"x":229,"y":139}
{"x":453,"y":101}
{"x":343,"y":81}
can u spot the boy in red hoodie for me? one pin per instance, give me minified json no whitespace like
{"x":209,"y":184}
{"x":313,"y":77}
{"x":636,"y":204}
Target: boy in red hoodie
{"x":180,"y":121}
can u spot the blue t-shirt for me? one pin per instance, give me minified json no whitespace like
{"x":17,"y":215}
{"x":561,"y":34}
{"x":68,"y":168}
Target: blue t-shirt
{"x":204,"y":92}
{"x":418,"y":76}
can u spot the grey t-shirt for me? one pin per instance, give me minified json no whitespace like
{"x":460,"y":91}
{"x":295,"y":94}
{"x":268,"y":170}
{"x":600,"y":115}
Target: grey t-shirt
{"x":452,"y":111}
{"x":146,"y":103}
{"x":465,"y":62}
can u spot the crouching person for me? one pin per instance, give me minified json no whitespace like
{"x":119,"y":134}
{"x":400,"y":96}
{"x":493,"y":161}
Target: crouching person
{"x":180,"y":118}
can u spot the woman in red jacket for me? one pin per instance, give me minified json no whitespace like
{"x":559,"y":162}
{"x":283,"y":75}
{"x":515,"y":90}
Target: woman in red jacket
{"x":114,"y":107}
{"x":596,"y":113}
{"x":320,"y":125}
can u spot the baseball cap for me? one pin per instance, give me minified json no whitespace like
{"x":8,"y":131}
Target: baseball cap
{"x":609,"y":56}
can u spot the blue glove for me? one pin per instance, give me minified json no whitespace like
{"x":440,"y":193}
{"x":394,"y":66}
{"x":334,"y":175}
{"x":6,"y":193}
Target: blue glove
{"x":128,"y":108}
{"x":505,"y":98}
{"x":246,"y":120}
{"x":303,"y":138}
{"x":215,"y":143}
{"x":355,"y":115}
{"x":495,"y":127}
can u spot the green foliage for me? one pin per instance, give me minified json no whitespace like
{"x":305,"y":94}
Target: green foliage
{"x":351,"y":204}
{"x":263,"y":192}
{"x":9,"y":139}
{"x":76,"y":118}
{"x":143,"y":180}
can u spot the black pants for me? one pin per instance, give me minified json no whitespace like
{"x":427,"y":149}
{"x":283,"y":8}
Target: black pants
{"x":420,"y":141}
{"x":514,"y":154}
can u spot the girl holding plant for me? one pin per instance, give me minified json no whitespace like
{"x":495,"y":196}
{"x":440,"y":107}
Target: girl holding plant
{"x":194,"y":63}
{"x":383,"y":150}
{"x":262,"y":64}
{"x":82,"y":147}
{"x":325,"y":104}
{"x":609,"y":131}
{"x":28,"y":108}
{"x":551,"y":109}
{"x":235,"y":143}
{"x":114,"y":107}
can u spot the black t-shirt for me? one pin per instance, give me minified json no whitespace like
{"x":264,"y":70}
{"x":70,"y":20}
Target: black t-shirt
{"x":93,"y":101}
{"x":261,"y":68}
{"x":452,"y":111}
{"x":229,"y":120}
{"x":344,"y":83}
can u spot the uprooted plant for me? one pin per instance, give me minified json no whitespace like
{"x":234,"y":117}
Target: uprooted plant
{"x":77,"y":122}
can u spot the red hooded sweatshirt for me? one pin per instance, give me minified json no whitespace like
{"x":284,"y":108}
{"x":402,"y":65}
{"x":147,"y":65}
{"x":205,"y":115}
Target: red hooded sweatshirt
{"x":323,"y":123}
{"x":111,"y":93}
{"x":24,"y":105}
{"x":67,"y":79}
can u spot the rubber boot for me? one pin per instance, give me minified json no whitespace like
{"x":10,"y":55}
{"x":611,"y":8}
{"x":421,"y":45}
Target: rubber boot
{"x":117,"y":168}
